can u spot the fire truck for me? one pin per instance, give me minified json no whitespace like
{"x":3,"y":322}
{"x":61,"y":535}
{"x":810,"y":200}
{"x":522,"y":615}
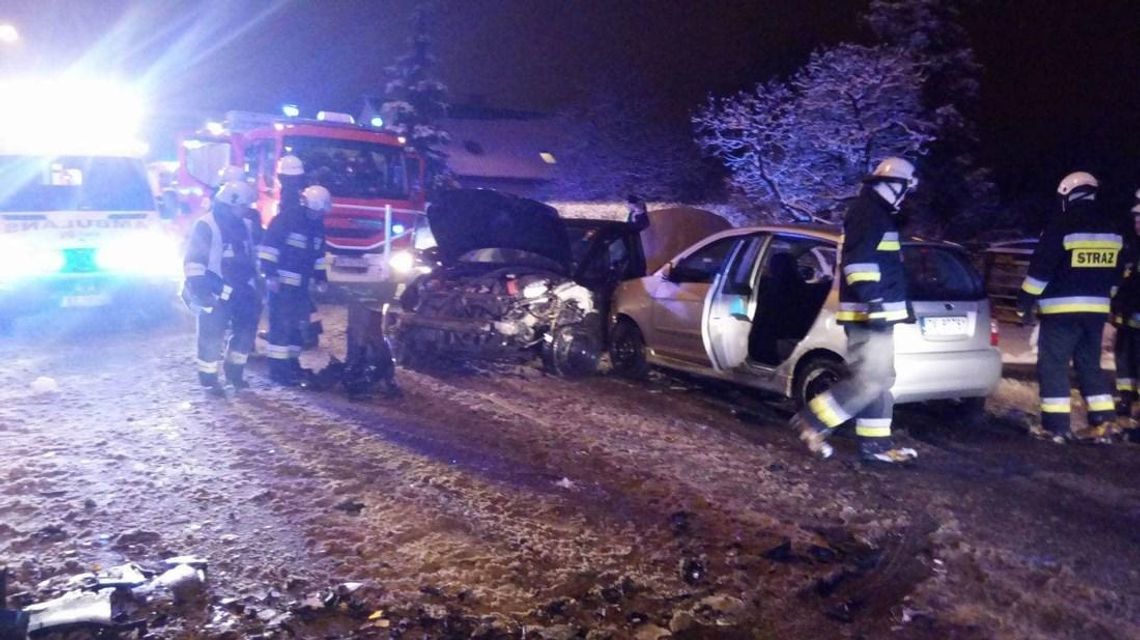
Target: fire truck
{"x":79,"y":226}
{"x":375,"y":180}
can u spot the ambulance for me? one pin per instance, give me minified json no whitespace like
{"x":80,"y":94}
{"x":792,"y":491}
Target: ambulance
{"x":79,"y":225}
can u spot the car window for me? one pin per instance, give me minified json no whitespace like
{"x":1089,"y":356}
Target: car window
{"x":804,"y":260}
{"x":702,"y":265}
{"x":940,"y":273}
{"x":739,"y":281}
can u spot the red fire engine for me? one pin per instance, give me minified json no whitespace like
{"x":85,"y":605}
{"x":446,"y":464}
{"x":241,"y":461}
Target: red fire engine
{"x":376,"y":182}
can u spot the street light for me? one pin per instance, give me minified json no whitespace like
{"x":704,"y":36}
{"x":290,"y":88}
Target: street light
{"x":9,"y":34}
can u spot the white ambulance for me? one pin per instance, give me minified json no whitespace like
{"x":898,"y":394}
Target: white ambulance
{"x":79,"y":225}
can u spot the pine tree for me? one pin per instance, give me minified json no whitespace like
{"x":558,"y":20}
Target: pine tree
{"x":416,"y":99}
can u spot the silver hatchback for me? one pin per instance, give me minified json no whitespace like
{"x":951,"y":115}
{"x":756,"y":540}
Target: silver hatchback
{"x":756,"y":306}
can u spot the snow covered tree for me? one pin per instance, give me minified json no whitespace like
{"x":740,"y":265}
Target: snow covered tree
{"x":415,"y":100}
{"x":799,"y":147}
{"x":616,"y":144}
{"x":958,"y":194}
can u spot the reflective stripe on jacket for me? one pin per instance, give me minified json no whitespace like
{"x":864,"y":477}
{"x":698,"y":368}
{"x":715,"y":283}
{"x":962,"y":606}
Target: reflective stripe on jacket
{"x":1077,"y":263}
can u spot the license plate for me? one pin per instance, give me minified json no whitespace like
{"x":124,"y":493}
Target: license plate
{"x":90,"y":300}
{"x":350,"y":262}
{"x":945,"y":326}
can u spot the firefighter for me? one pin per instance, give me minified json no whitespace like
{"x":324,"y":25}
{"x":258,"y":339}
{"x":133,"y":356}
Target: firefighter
{"x":872,"y":299}
{"x":293,"y":257}
{"x":221,"y":274}
{"x":1070,"y":280}
{"x":234,"y":173}
{"x":1126,"y":318}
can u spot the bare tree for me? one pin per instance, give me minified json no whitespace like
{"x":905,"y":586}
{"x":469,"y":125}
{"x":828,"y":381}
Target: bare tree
{"x":801,"y":145}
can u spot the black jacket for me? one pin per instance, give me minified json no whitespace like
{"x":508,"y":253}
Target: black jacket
{"x":219,"y":259}
{"x":293,"y":249}
{"x":1076,"y":264}
{"x":872,"y":288}
{"x":1126,"y":299}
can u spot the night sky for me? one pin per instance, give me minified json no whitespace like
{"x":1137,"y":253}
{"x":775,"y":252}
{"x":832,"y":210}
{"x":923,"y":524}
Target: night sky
{"x":1061,"y":86}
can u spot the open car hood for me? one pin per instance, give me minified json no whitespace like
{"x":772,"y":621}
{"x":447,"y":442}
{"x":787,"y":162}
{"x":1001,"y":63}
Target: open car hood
{"x":465,"y":220}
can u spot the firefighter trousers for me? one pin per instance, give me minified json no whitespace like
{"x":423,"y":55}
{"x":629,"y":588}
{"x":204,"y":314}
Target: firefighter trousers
{"x":238,"y":316}
{"x":1127,"y":358}
{"x":288,"y":310}
{"x":865,"y":393}
{"x":1074,"y":337}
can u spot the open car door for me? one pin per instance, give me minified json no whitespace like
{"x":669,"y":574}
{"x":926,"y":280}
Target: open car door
{"x":730,"y":306}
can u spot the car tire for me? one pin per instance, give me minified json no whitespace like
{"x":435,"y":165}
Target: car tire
{"x":814,"y":376}
{"x":572,"y":351}
{"x":627,"y":351}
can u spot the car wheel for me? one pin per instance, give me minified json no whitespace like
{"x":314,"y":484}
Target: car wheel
{"x":571,"y":351}
{"x":816,"y":375}
{"x":627,"y":351}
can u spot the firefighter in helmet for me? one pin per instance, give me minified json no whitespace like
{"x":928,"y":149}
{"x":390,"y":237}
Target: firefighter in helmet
{"x":221,"y":273}
{"x":1070,"y":280}
{"x":234,"y":173}
{"x":293,"y":259}
{"x":872,"y":299}
{"x":1126,"y":318}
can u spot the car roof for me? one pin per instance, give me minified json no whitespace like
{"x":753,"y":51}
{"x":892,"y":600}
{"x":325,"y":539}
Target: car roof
{"x":822,"y":232}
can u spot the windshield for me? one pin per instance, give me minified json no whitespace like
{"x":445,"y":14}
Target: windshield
{"x":352,"y":168}
{"x":73,"y":183}
{"x":940,"y":273}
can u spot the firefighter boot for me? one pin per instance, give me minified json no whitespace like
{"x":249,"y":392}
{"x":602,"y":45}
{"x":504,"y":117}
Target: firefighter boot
{"x":282,"y":373}
{"x":235,"y":376}
{"x":885,"y":453}
{"x":816,"y":441}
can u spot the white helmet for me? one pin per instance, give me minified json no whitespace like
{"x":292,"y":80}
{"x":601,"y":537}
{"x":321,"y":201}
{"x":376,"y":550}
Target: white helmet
{"x":1077,"y":180}
{"x":290,"y":165}
{"x":894,"y":169}
{"x":1138,"y":195}
{"x":1136,"y":209}
{"x":238,"y":193}
{"x":231,"y":173}
{"x":317,"y":198}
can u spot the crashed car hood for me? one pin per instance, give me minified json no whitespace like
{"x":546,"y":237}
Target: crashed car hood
{"x":468,"y":219}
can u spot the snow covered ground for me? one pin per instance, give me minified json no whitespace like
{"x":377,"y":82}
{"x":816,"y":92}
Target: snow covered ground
{"x":506,"y":503}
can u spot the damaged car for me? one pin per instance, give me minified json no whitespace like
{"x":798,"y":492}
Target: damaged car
{"x":504,"y":289}
{"x":515,"y":282}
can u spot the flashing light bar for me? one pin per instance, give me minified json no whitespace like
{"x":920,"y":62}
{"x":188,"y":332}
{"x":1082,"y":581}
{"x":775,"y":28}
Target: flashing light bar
{"x":69,"y":113}
{"x":215,"y":128}
{"x":335,"y":116}
{"x":290,"y":110}
{"x":377,"y":122}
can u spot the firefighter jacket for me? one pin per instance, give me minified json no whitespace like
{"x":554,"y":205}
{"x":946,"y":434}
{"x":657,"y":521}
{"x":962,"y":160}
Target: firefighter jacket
{"x":219,"y":258}
{"x":1076,"y":264}
{"x":872,"y":288}
{"x":293,"y":250}
{"x":1126,"y":297}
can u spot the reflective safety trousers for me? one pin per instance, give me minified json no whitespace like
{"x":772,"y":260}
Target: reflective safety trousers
{"x":1076,"y":338}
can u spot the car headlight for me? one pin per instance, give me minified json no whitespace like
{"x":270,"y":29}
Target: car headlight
{"x":402,"y":262}
{"x":149,"y":254}
{"x":18,"y":262}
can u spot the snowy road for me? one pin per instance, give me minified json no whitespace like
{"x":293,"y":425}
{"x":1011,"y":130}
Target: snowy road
{"x":510,"y":503}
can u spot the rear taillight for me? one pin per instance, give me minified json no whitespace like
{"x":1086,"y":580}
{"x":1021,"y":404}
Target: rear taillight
{"x":994,"y":337}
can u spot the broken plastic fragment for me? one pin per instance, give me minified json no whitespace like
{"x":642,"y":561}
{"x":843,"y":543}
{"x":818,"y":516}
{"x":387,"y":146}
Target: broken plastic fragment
{"x":74,"y":608}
